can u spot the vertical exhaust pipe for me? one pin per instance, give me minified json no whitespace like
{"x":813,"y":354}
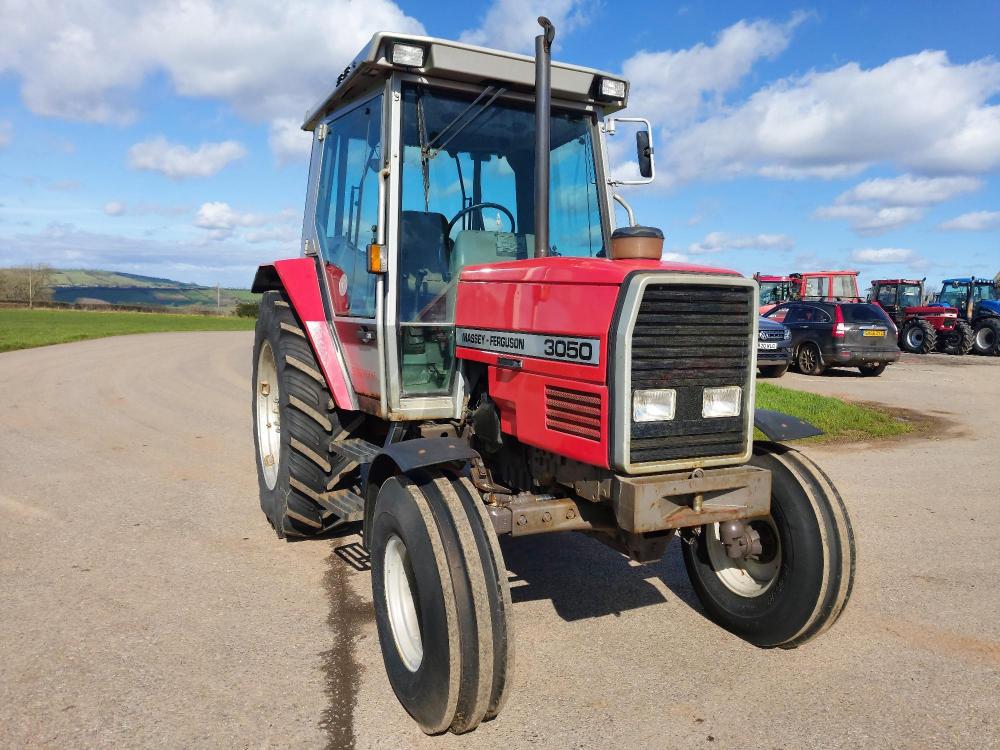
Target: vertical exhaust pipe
{"x":543,"y":109}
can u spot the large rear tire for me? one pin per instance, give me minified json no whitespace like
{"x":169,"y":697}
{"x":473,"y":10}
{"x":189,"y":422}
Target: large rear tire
{"x":987,"y":339}
{"x":959,"y":341}
{"x":918,"y":336}
{"x":295,"y":421}
{"x":442,"y":602}
{"x":800,"y":583}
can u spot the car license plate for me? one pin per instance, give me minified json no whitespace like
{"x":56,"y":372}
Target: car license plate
{"x":874,"y":333}
{"x":767,"y":345}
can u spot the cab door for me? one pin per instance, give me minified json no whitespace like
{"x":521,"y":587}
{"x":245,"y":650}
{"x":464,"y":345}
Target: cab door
{"x":348,"y":216}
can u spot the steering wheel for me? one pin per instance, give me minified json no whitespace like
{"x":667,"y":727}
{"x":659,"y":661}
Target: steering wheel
{"x":474,"y":206}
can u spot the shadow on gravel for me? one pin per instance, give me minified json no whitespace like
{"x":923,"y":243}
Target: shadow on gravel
{"x":349,"y":613}
{"x":583,"y":578}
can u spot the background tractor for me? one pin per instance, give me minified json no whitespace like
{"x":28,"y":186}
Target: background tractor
{"x":978,"y":304}
{"x":817,"y":286}
{"x":922,"y":328}
{"x":468,"y":348}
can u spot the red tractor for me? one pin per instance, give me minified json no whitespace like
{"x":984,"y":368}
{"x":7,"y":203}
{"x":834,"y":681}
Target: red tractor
{"x":468,"y":349}
{"x":922,"y":328}
{"x":827,"y":286}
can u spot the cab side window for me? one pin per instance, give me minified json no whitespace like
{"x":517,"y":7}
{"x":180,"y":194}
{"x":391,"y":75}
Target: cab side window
{"x":347,"y":205}
{"x":887,"y":296}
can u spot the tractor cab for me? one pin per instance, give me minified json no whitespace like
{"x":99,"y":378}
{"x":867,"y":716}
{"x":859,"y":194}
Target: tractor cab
{"x":827,"y":286}
{"x":774,"y":290}
{"x":423,"y":164}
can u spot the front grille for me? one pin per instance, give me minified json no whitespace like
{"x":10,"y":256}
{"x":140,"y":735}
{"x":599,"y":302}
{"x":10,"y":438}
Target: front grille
{"x":573,"y":412}
{"x":689,"y":337}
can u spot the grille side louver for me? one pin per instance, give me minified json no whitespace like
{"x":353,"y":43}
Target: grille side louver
{"x":573,"y":412}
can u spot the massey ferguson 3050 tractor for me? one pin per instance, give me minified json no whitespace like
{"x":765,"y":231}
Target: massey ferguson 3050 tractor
{"x":922,"y":328}
{"x":978,"y":303}
{"x":467,"y":349}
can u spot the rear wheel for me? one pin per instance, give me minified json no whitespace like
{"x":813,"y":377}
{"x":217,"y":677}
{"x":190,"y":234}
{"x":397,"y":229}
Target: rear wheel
{"x":958,"y":341}
{"x":873,"y":371}
{"x":918,"y":336}
{"x":808,"y":360}
{"x":442,"y":602}
{"x":987,"y":339}
{"x":772,"y":371}
{"x":295,"y":422}
{"x":799,"y":583}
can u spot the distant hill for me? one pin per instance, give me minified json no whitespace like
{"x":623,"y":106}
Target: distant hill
{"x":114,"y":288}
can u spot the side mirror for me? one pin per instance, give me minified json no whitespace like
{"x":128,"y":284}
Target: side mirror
{"x":643,"y":148}
{"x":644,"y":153}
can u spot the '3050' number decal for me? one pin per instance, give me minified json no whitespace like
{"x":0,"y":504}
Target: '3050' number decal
{"x":568,"y":349}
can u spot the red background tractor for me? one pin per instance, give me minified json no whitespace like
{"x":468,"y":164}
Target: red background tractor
{"x":922,"y":328}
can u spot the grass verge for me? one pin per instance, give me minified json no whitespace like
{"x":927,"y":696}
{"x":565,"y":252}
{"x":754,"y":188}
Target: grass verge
{"x":24,"y":329}
{"x":842,"y":421}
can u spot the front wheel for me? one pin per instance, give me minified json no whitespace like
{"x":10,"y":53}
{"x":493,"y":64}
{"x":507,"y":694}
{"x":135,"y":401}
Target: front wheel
{"x":772,"y":371}
{"x":987,"y":339}
{"x":959,"y":341}
{"x":798,"y":583}
{"x":442,"y":601}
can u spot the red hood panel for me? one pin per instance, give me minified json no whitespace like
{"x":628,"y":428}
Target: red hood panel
{"x":578,"y":270}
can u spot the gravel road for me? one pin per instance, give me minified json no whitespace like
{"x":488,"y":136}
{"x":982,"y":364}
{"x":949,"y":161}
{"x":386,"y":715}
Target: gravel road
{"x":146,"y":602}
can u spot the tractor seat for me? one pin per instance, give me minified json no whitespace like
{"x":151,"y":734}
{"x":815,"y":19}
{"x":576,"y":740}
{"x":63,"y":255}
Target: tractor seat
{"x":474,"y":247}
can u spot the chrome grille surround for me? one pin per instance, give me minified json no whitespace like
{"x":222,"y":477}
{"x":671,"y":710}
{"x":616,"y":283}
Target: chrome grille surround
{"x":621,"y":374}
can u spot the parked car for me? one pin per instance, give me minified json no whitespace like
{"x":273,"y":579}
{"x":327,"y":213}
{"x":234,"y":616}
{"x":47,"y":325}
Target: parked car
{"x":838,"y":334}
{"x":774,"y":349}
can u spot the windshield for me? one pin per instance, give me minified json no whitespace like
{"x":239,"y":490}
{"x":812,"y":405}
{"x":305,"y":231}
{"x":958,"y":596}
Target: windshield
{"x":909,"y":295}
{"x":773,"y":292}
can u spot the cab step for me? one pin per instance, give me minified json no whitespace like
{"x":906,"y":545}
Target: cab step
{"x":346,"y":504}
{"x":357,"y":450}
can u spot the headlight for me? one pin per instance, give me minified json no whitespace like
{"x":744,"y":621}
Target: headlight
{"x":656,"y":405}
{"x":722,"y":402}
{"x":612,"y":89}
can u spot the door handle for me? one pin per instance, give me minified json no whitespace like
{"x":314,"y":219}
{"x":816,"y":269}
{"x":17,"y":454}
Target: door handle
{"x":365,"y":336}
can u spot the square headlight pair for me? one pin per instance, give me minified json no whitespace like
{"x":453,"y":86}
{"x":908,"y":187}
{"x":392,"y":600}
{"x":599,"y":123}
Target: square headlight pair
{"x":660,"y":404}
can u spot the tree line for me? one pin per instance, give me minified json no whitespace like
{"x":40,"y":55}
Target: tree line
{"x":27,"y":284}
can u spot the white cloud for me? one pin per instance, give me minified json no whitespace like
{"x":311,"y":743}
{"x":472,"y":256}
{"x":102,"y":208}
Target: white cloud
{"x":84,"y":61}
{"x":907,"y":190}
{"x":114,"y":208}
{"x":288,"y":141}
{"x":882,"y":255}
{"x":976,"y":221}
{"x":920,"y":112}
{"x":673,"y":86}
{"x":180,"y":162}
{"x":868,"y":220}
{"x":513,"y":24}
{"x":222,"y":219}
{"x":715,"y":242}
{"x":6,"y":132}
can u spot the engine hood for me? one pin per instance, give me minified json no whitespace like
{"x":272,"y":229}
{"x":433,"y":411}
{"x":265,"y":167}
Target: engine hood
{"x":578,"y":270}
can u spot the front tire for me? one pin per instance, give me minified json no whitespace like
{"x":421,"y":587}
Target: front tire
{"x":987,"y":339}
{"x":959,"y":341}
{"x":772,"y":371}
{"x":809,"y":360}
{"x":800,"y":583}
{"x":442,"y":602}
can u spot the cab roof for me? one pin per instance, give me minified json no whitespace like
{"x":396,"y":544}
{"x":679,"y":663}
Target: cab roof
{"x":467,"y":63}
{"x":968,"y":280}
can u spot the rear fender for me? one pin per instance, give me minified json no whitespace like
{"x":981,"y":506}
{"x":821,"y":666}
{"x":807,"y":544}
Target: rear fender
{"x":297,"y":278}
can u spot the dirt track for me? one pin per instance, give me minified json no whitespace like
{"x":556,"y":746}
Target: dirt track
{"x":145,"y":601}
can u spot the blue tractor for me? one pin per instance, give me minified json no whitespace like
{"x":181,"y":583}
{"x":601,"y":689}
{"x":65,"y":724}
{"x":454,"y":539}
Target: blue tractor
{"x":978,"y":301}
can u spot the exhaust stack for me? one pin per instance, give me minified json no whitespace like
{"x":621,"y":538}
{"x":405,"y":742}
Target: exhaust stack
{"x":543,"y":108}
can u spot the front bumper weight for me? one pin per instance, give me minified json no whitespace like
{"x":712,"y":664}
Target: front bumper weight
{"x":657,"y":502}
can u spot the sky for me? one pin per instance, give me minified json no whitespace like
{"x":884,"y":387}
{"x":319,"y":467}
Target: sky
{"x":162,"y":137}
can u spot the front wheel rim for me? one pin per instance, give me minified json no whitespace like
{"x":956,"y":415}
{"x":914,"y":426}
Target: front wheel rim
{"x":750,"y":577}
{"x":268,"y":416}
{"x":401,"y":605}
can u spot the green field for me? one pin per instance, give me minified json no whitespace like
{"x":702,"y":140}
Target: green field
{"x":840,"y":420}
{"x":23,"y":329}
